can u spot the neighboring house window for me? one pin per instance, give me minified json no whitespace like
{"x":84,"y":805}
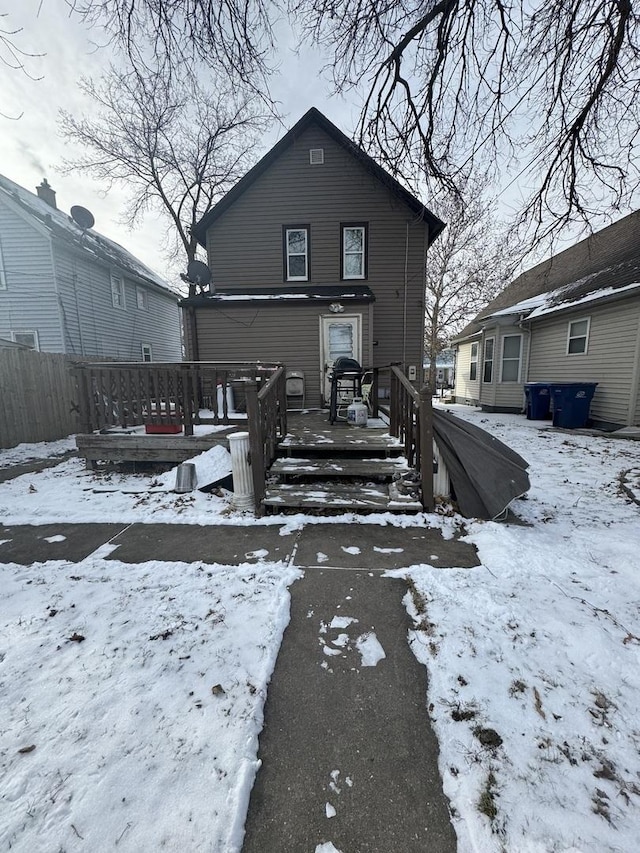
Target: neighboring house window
{"x":473,"y":366}
{"x":511,"y":349}
{"x":117,"y":291}
{"x":147,"y":352}
{"x":142,"y":298}
{"x":3,"y":278}
{"x":354,"y":251}
{"x":296,"y":253}
{"x":487,"y":367}
{"x":578,"y":336}
{"x":27,"y":338}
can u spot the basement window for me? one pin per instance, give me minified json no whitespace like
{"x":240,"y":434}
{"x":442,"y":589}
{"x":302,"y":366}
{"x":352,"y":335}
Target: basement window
{"x":28,"y":338}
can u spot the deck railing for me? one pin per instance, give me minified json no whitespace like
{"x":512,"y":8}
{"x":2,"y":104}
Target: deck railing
{"x":267,"y":420}
{"x":166,"y":394}
{"x":411,"y":421}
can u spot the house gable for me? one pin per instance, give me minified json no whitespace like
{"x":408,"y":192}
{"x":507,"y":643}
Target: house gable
{"x":314,"y":118}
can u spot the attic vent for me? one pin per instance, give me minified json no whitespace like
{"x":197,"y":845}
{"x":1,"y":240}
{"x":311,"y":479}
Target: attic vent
{"x":316,"y":156}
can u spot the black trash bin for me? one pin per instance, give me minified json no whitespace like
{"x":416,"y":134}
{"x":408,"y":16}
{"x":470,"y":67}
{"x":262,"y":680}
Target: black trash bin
{"x":571,"y":403}
{"x":538,"y":399}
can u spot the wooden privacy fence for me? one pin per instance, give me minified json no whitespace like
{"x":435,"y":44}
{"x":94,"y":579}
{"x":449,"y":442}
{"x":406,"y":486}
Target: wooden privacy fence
{"x":38,"y":397}
{"x":165,"y":394}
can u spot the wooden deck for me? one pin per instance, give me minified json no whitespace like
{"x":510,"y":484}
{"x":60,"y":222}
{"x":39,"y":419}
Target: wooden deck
{"x":123,"y":446}
{"x":318,"y":466}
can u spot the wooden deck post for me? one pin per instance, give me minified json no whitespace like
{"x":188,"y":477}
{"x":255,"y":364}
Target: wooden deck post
{"x":394,"y":407}
{"x":373,"y":395}
{"x":425,"y":426}
{"x":256,"y":447}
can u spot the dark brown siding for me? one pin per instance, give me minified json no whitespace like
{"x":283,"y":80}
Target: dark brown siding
{"x":258,"y":332}
{"x":245,"y":243}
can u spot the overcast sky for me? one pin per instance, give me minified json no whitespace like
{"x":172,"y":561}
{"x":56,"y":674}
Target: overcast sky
{"x":31,"y":147}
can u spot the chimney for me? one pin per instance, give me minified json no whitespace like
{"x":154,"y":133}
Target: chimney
{"x":47,"y":194}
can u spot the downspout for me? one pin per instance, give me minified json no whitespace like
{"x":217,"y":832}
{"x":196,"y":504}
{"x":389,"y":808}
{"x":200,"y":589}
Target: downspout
{"x":525,"y":378}
{"x":193,"y":328}
{"x":404,"y":307}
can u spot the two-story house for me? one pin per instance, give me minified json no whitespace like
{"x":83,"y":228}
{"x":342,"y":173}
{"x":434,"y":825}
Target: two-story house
{"x":316,"y":253}
{"x":65,"y":288}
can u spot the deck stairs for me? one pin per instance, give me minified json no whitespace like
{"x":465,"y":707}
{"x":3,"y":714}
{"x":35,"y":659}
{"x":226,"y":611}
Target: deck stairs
{"x":340,"y":467}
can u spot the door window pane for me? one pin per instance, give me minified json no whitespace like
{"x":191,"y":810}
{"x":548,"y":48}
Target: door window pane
{"x":340,"y":341}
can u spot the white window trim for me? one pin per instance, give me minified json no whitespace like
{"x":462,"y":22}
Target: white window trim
{"x":363,"y":253}
{"x":485,"y":360}
{"x":116,"y":277}
{"x":148,"y":347}
{"x":473,"y":361}
{"x":571,"y":337}
{"x":3,"y":277}
{"x":36,"y":340}
{"x":518,"y":378}
{"x":142,"y":298}
{"x":305,"y":231}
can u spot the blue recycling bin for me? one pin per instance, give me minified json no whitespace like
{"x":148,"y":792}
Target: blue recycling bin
{"x":571,"y":402}
{"x":538,"y":398}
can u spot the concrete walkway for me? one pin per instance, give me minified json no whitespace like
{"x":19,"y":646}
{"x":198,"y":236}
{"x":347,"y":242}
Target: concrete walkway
{"x":348,"y":755}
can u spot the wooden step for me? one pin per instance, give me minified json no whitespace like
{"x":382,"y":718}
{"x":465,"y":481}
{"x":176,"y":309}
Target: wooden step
{"x":363,"y":442}
{"x":325,"y":468}
{"x":337,"y":496}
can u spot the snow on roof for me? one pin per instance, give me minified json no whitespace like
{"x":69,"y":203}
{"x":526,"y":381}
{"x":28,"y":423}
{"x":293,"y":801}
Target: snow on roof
{"x":613,"y":280}
{"x":89,"y":242}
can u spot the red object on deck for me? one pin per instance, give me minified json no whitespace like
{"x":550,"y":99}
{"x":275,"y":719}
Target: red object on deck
{"x":162,"y":429}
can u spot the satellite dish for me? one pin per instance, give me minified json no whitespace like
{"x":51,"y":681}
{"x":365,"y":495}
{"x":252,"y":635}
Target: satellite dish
{"x":198,"y":273}
{"x":82,"y":217}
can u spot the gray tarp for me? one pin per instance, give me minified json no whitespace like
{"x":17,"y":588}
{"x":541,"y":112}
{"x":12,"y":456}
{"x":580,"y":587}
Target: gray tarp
{"x":485,"y":474}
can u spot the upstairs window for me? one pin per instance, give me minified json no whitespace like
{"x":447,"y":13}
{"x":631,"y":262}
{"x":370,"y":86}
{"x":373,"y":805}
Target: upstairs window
{"x":473,"y":364}
{"x":511,"y":352}
{"x":296,"y":253}
{"x":354,"y":251}
{"x":117,"y":291}
{"x":3,"y":278}
{"x":487,"y":367}
{"x":142,"y":299}
{"x":578,"y":336}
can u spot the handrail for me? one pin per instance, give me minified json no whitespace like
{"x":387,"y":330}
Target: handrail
{"x":267,"y":421}
{"x":410,"y":420}
{"x":128,"y":394}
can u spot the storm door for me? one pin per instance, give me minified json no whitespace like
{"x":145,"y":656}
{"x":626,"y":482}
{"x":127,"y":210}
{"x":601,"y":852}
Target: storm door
{"x":339,"y":336}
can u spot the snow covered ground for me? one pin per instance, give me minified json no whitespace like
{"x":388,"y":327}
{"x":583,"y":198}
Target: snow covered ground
{"x":534,"y":656}
{"x":533,"y":661}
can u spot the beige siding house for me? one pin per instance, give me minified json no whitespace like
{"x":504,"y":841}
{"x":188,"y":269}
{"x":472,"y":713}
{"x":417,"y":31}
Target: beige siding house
{"x":572,"y":318}
{"x":316,"y":253}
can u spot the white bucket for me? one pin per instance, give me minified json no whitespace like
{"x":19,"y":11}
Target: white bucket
{"x":357,"y":412}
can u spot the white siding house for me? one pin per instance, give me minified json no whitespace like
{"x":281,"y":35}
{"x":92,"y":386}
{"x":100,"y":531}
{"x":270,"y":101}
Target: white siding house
{"x":70,"y":290}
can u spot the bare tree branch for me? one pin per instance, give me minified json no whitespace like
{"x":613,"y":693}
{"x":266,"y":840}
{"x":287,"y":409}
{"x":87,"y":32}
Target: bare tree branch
{"x":175,"y":149}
